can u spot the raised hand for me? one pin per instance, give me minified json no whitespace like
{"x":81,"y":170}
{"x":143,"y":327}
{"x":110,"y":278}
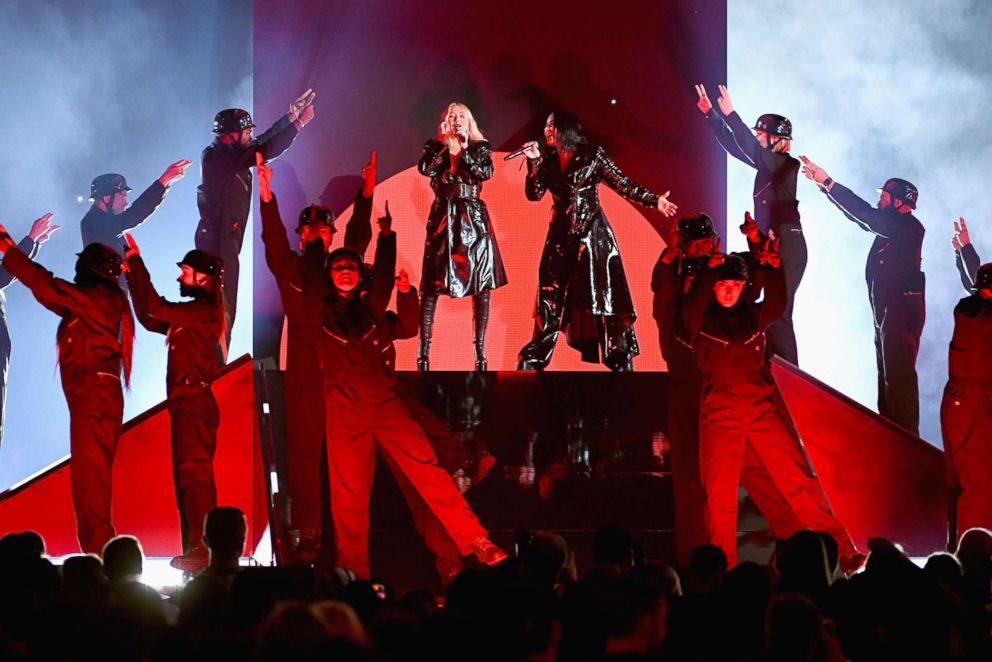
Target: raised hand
{"x":665,"y":206}
{"x":368,"y":176}
{"x":386,"y":222}
{"x":403,"y":282}
{"x":961,"y":236}
{"x":131,"y":246}
{"x":443,"y":131}
{"x":42,"y":229}
{"x":175,"y":172}
{"x":264,"y":178}
{"x":723,"y":101}
{"x":306,"y":115}
{"x":770,"y":254}
{"x":750,"y":229}
{"x":813,"y":172}
{"x":703,"y":104}
{"x":296,"y":108}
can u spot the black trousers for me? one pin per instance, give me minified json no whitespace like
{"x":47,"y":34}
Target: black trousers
{"x":780,"y":337}
{"x":899,"y":321}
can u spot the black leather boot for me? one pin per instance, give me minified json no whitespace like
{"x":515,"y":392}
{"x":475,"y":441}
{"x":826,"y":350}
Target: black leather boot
{"x":480,"y":309}
{"x":428,"y":304}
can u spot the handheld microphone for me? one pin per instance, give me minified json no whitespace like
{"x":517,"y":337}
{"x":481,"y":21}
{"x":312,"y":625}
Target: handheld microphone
{"x":519,"y":152}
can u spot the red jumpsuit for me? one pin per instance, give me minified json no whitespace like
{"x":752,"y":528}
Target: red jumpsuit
{"x":194,"y":329}
{"x":306,"y":420}
{"x":684,"y":386}
{"x":740,"y":408}
{"x":365,"y":412}
{"x":94,"y":340}
{"x":966,"y":414}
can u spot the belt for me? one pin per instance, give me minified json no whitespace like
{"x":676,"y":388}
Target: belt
{"x":459,"y":191}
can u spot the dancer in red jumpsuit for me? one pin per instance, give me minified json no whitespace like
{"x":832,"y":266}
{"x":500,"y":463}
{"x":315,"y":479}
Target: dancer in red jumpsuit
{"x":303,"y":378}
{"x":194,"y":328}
{"x":966,"y":408}
{"x":95,"y":339}
{"x":740,"y":406}
{"x":365,"y":410}
{"x":690,"y":245}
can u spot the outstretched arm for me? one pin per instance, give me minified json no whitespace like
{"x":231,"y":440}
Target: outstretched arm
{"x":41,"y":231}
{"x":149,"y":200}
{"x":854,"y":208}
{"x":59,"y":296}
{"x":610,"y":173}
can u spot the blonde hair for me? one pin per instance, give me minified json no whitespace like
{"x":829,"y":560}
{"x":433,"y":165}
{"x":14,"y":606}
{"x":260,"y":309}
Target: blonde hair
{"x":474,"y":134}
{"x":782,"y":146}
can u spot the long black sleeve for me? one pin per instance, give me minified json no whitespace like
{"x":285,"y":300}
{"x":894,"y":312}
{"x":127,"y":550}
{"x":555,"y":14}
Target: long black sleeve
{"x":854,"y":208}
{"x":967,"y":262}
{"x":139,"y":211}
{"x":383,"y":273}
{"x":29,"y":247}
{"x":614,"y":178}
{"x":478,"y":159}
{"x":725,"y":136}
{"x":405,"y":323}
{"x":358,"y":232}
{"x":271,"y":144}
{"x":776,"y":300}
{"x":434,"y":158}
{"x":696,"y":302}
{"x":666,"y":288}
{"x":536,"y":183}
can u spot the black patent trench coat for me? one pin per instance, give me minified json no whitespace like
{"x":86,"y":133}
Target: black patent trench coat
{"x":461,"y":256}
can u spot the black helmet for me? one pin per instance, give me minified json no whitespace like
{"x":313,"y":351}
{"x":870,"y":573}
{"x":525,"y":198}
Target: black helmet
{"x":344,"y":252}
{"x":203,"y":262}
{"x":232,"y":120}
{"x":101,"y":261}
{"x":983,"y":279}
{"x":734,"y":267}
{"x":902,"y":190}
{"x":697,"y":226}
{"x":774,"y":125}
{"x":315,"y":214}
{"x":107,"y":184}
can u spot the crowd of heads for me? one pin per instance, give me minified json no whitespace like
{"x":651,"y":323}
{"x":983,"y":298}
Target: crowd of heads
{"x":534,"y":606}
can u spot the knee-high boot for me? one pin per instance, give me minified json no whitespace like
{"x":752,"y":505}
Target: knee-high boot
{"x":428,"y":304}
{"x":480,"y":309}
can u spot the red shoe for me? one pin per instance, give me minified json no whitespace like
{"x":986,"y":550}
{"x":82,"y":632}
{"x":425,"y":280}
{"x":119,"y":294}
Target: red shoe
{"x":853,"y":562}
{"x":193,"y":561}
{"x":487,"y":551}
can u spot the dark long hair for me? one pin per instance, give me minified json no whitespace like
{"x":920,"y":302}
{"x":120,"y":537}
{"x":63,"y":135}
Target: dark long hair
{"x":569,"y":131}
{"x":85,"y":278}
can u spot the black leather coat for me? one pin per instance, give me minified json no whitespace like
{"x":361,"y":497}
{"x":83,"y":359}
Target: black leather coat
{"x":580,"y":252}
{"x":461,"y":256}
